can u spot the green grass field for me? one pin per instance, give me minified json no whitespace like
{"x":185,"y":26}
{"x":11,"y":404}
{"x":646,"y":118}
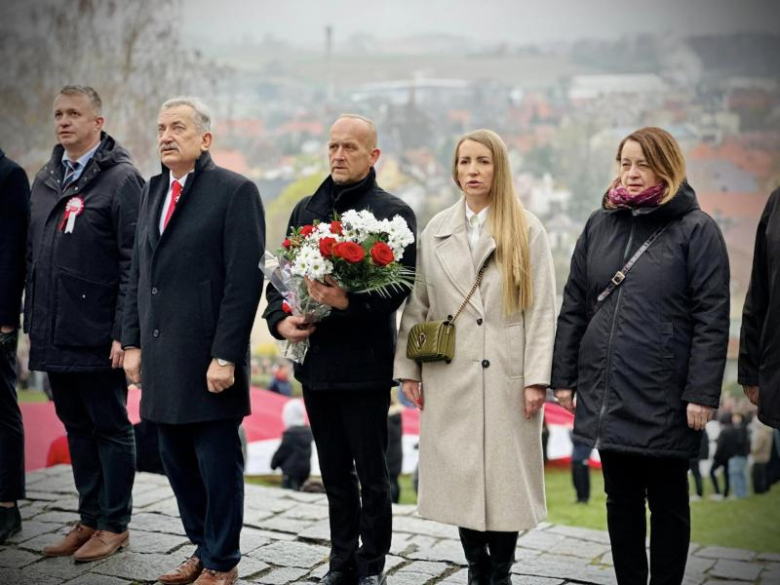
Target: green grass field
{"x":752,"y":523}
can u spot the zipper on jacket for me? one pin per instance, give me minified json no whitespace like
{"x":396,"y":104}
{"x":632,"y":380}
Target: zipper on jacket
{"x":603,"y":409}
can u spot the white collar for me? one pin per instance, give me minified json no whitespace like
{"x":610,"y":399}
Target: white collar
{"x":181,"y":181}
{"x":481,"y":216}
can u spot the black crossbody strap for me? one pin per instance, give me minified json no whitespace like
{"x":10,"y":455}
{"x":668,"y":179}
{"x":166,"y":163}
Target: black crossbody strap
{"x":621,"y":274}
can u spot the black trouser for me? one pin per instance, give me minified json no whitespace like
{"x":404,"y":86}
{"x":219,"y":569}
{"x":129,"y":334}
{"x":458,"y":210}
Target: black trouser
{"x":11,"y":429}
{"x":93,"y":408}
{"x":350,"y":431}
{"x":628,"y":480}
{"x":726,"y":486}
{"x":490,"y":555}
{"x":760,"y":478}
{"x":205,"y":464}
{"x":693,"y":464}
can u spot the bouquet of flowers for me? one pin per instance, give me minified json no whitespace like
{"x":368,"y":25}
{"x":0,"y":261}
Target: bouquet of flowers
{"x":360,"y":252}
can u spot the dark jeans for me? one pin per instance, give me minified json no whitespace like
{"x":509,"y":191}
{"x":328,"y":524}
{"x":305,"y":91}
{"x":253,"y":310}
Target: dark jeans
{"x":629,"y":479}
{"x":350,"y":431}
{"x":11,"y":429}
{"x":93,"y":408}
{"x":205,"y":464}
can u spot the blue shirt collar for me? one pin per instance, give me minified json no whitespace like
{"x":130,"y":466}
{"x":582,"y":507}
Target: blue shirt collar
{"x":83,"y":159}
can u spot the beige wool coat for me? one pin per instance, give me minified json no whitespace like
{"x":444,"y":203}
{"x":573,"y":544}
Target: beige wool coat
{"x":480,"y":459}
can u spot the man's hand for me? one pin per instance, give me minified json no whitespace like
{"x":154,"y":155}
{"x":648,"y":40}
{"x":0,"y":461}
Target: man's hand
{"x":752,"y":393}
{"x":7,"y":328}
{"x":413,"y":391}
{"x":294,"y":328}
{"x":565,"y":398}
{"x":699,"y":415}
{"x":220,"y":378}
{"x":132,"y":364}
{"x":117,"y":355}
{"x":328,"y":293}
{"x":534,"y":399}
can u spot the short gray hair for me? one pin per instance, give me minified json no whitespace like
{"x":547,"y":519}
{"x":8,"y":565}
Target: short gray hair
{"x":88,"y":92}
{"x":202,"y":113}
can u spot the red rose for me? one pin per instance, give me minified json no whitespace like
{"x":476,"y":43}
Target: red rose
{"x":350,"y":251}
{"x":287,"y":244}
{"x":306,"y":230}
{"x":286,"y":307}
{"x":335,"y":227}
{"x":382,"y":254}
{"x":326,"y":247}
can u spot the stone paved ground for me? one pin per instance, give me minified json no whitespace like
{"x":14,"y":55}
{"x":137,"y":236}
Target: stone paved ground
{"x":284,"y":541}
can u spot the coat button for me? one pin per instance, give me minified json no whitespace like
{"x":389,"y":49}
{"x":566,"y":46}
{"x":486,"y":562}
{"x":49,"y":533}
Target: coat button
{"x":156,"y":333}
{"x":485,"y":363}
{"x":479,"y":321}
{"x":154,"y":290}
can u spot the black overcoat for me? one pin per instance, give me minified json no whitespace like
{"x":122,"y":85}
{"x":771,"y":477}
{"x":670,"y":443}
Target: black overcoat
{"x":759,"y":350}
{"x":76,"y":282}
{"x":351,"y":349}
{"x":193,"y":293}
{"x":659,"y":341}
{"x":14,"y":218}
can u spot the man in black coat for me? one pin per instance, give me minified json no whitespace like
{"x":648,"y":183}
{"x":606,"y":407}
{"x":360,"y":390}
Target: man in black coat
{"x":84,"y":206}
{"x":348,"y":372}
{"x":14,"y":217}
{"x":759,"y":348}
{"x":193,"y":294}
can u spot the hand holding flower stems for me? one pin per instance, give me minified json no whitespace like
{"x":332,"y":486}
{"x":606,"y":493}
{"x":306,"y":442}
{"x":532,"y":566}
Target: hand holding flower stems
{"x":319,"y":264}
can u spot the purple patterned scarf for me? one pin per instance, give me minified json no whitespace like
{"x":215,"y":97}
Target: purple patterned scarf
{"x":619,"y":196}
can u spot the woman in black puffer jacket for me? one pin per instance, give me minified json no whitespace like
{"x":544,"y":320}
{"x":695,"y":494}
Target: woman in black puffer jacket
{"x":647,"y":363}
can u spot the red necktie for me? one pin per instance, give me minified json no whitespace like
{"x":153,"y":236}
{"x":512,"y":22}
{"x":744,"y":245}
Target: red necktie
{"x":175,"y":194}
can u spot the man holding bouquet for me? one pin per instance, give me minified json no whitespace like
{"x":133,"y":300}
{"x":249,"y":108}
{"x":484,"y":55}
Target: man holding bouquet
{"x":347,"y":372}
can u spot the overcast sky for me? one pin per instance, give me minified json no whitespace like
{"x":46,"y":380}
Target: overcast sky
{"x":514,"y":21}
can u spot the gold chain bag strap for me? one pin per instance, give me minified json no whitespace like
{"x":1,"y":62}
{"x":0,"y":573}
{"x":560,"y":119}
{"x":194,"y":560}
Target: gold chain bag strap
{"x":434,"y":341}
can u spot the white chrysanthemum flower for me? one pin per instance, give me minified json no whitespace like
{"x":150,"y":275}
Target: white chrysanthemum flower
{"x":319,"y":268}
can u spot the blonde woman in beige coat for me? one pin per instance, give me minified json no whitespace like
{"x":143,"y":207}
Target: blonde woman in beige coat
{"x":481,"y":422}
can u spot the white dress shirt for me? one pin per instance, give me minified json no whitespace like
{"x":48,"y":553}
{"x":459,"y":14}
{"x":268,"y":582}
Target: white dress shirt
{"x":474,"y":223}
{"x":167,"y":203}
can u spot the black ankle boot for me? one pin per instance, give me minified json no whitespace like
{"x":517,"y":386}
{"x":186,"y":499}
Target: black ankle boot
{"x":475,"y":548}
{"x":502,"y":556}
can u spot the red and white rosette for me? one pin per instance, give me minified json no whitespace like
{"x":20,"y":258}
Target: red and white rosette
{"x":73,"y":208}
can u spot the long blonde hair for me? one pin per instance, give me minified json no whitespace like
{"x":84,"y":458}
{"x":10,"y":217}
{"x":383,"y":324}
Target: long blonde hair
{"x":662,"y":152}
{"x":506,"y":219}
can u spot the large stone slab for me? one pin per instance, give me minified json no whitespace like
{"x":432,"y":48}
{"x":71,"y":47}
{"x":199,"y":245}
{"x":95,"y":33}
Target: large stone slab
{"x":142,"y":541}
{"x":721,"y":552}
{"x":12,"y":558}
{"x":292,"y":554}
{"x":281,"y":576}
{"x":137,"y":566}
{"x":735,"y":570}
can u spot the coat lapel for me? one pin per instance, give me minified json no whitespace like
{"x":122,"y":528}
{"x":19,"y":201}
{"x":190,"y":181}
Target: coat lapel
{"x":157,"y":195}
{"x":452,"y":250}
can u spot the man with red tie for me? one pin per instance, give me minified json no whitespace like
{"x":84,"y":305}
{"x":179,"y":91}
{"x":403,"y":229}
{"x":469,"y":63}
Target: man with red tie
{"x":193,"y":293}
{"x":84,"y":205}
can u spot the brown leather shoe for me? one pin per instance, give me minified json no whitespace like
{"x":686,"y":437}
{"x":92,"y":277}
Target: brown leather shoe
{"x":211,"y":577}
{"x":72,"y":542}
{"x":102,"y":545}
{"x":185,"y":573}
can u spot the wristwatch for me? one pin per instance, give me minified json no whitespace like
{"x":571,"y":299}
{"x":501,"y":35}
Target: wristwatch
{"x":222,"y":363}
